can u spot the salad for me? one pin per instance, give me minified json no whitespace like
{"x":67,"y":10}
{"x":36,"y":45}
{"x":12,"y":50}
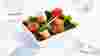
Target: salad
{"x":54,"y":22}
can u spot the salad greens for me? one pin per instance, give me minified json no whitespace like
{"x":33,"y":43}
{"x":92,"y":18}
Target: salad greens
{"x":67,"y":18}
{"x":68,"y":24}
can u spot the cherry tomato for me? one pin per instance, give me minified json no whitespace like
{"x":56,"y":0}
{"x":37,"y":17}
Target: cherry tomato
{"x":32,"y":27}
{"x":56,"y":12}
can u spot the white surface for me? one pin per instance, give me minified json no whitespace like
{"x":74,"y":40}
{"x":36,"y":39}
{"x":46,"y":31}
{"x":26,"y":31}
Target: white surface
{"x":7,"y":43}
{"x":52,"y":51}
{"x":3,"y":52}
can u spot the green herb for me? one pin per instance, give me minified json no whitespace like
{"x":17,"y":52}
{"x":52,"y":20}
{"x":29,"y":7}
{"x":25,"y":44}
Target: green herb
{"x":67,"y":18}
{"x":32,"y":19}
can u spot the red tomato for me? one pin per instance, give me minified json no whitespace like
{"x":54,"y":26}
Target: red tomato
{"x":32,"y":28}
{"x":56,"y":12}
